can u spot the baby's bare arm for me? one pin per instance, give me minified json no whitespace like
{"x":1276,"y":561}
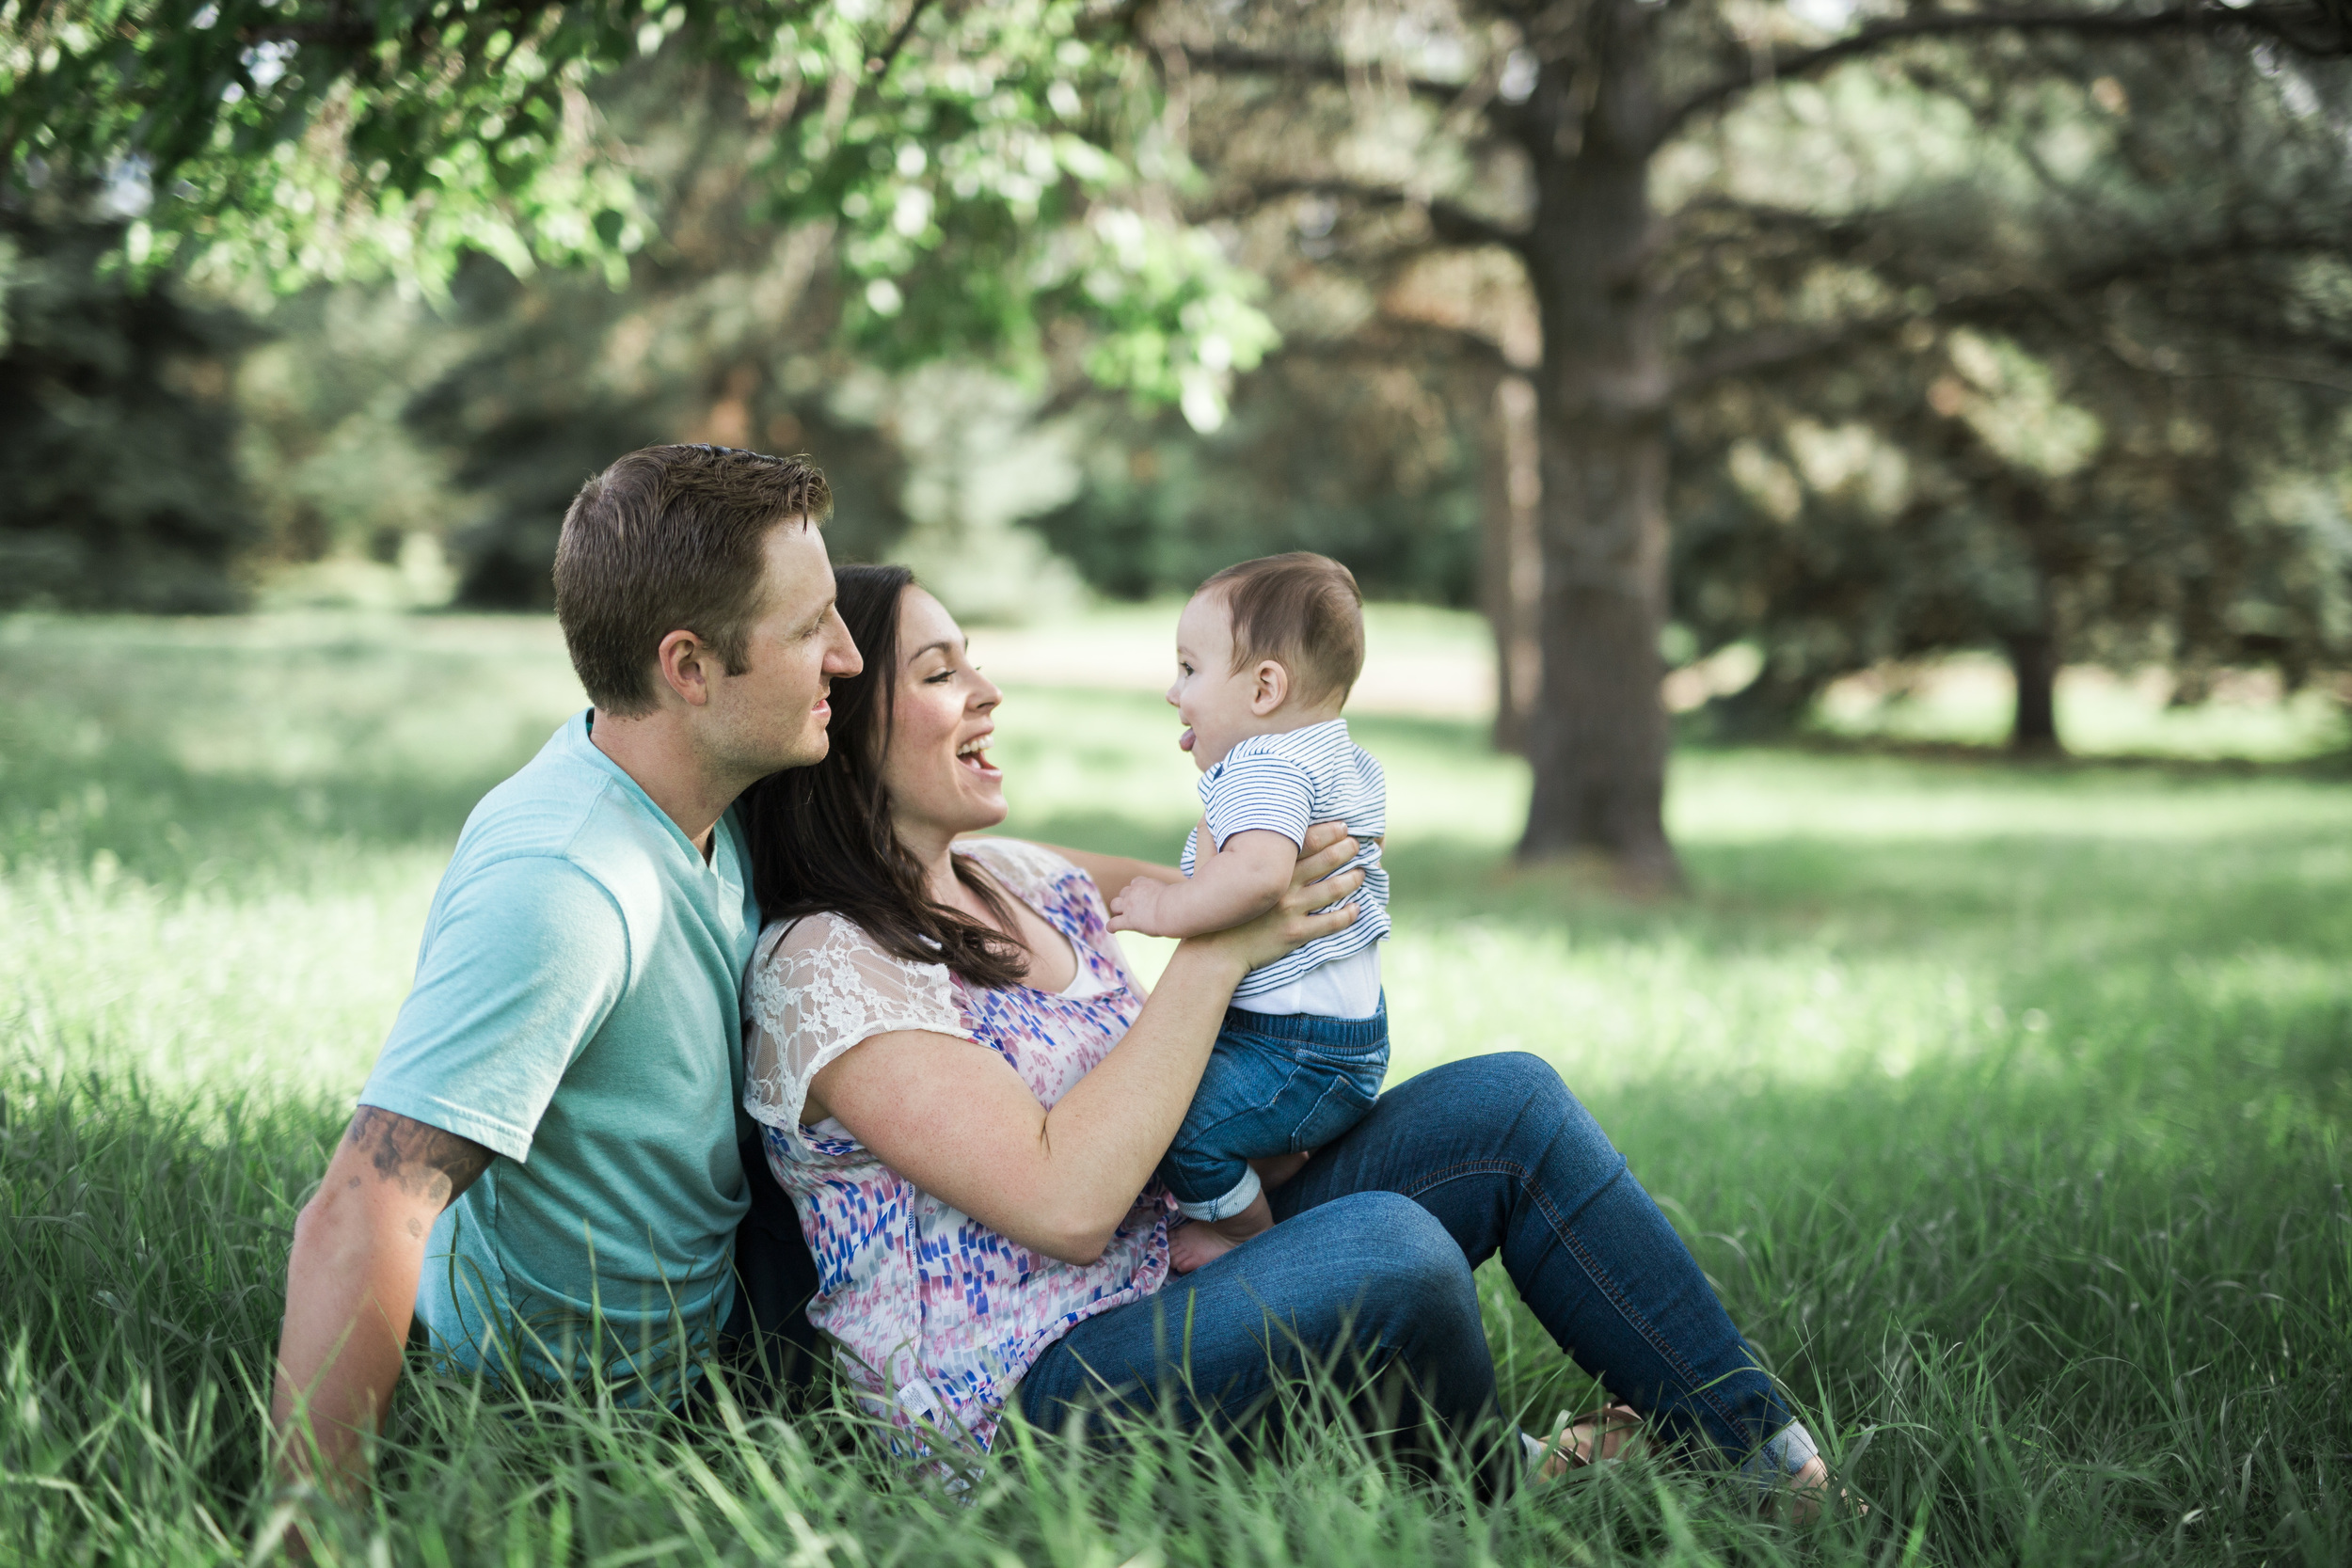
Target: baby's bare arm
{"x":1227,"y":887}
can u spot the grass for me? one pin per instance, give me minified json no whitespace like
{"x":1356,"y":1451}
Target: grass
{"x":2006,"y":1106}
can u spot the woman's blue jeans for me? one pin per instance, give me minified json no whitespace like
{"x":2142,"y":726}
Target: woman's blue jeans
{"x":1369,"y":1264}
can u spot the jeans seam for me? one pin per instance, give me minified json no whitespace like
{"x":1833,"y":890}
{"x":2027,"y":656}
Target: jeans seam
{"x":1332,"y":1086}
{"x":1615,"y":1296}
{"x":1295,"y":1068}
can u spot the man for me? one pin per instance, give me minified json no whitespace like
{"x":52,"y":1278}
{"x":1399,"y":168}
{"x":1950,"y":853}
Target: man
{"x":544,"y":1161}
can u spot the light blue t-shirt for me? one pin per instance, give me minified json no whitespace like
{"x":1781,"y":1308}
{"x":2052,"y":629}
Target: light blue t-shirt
{"x":575,"y":1012}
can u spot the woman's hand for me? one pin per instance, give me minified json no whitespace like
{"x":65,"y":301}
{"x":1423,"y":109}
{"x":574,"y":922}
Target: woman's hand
{"x":1291,"y":923}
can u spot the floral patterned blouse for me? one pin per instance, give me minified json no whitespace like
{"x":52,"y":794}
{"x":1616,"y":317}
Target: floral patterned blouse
{"x":933,"y":1315}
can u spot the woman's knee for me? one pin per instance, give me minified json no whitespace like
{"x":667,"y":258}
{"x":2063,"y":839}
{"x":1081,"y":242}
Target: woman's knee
{"x":1523,"y":1075}
{"x":1420,"y":1304}
{"x":1512,"y":1088}
{"x":1516,"y":1107}
{"x":1414,"y":1267}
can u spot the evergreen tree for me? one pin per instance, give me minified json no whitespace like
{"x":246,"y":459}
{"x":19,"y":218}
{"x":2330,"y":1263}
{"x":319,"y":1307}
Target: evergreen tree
{"x":1589,"y":145}
{"x":2116,"y":432}
{"x":117,"y":450}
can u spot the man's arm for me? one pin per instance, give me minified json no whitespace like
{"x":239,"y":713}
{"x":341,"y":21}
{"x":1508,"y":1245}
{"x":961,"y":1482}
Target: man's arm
{"x":524,"y":961}
{"x":351,"y":1288}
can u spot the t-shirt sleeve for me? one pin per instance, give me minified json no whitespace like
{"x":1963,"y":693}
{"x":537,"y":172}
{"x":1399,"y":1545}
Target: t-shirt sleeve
{"x":521,"y":965}
{"x":1261,"y":790}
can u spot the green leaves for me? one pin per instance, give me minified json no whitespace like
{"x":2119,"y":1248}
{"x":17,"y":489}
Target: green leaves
{"x":992,"y":169}
{"x":987,"y":171}
{"x":281,"y":143}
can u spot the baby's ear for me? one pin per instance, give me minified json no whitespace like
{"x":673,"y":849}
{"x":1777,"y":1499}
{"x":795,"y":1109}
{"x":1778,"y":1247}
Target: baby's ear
{"x":1271,"y":687}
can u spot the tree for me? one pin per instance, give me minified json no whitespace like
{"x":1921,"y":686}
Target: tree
{"x":724,"y":332}
{"x":1539,"y":132}
{"x":1003,"y":182}
{"x":990,"y":179}
{"x":1366,"y":460}
{"x":2118,"y":436}
{"x":728,"y":331}
{"x":117,"y":470}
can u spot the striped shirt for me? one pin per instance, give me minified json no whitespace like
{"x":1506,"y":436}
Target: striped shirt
{"x":1281,"y":783}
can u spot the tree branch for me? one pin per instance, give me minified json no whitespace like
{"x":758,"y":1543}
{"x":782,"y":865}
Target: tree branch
{"x":1453,"y":224}
{"x":879,"y":67}
{"x":877,"y":70}
{"x":1407,"y":338}
{"x":2304,"y":24}
{"x":1777,"y":348}
{"x":1251,"y":62}
{"x":1477,"y":94}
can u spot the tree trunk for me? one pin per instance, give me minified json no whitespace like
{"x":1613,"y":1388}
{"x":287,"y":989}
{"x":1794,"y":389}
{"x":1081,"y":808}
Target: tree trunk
{"x":1510,"y":558}
{"x":1599,"y":736}
{"x":2033,"y":658}
{"x":2035,"y":650}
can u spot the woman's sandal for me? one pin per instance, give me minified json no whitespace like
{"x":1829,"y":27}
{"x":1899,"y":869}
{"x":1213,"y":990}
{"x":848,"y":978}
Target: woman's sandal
{"x":1804,"y":1498}
{"x":1582,"y":1442}
{"x":1602,"y":1438}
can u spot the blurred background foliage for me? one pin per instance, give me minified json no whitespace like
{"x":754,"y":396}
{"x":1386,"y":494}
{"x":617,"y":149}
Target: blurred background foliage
{"x":118,"y":418}
{"x":2119,"y":441}
{"x":2023,"y":344}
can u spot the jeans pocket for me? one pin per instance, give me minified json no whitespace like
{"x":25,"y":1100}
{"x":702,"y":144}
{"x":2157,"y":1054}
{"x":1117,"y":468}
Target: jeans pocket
{"x":1344,"y":1099}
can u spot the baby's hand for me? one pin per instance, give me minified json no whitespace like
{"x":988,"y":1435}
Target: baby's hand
{"x":1137,"y":908}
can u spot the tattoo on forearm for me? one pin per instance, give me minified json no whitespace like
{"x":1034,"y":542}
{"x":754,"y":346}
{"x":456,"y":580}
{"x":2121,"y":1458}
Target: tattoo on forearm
{"x":425,"y":1162}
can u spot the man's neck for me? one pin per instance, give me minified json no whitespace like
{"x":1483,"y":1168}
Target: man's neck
{"x":655,"y":753}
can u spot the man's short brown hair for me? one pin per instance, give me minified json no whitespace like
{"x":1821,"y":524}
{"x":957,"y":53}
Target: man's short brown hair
{"x":672,"y":539}
{"x":1302,"y":610}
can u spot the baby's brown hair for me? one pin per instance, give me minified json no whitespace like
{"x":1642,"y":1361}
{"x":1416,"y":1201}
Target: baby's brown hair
{"x":1301,"y":610}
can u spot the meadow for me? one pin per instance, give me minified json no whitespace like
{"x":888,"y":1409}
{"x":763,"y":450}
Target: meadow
{"x":2006,"y":1106}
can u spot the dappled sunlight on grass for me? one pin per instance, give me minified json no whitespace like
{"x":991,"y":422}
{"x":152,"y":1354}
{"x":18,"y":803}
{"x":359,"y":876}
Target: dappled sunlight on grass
{"x":2005,"y":1105}
{"x":1729,"y":797}
{"x":291,"y":699}
{"x":1969,"y":699}
{"x":284,"y":991}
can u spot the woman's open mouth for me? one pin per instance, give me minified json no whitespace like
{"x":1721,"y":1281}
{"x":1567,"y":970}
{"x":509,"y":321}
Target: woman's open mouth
{"x":973,"y":755}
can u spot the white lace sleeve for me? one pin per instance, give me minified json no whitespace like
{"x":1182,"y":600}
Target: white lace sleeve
{"x":817,"y":987}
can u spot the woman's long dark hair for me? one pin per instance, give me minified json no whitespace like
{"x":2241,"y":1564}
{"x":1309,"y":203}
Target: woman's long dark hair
{"x":820,"y":836}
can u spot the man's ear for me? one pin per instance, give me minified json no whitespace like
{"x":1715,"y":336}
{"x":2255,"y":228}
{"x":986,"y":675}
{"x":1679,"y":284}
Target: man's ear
{"x":1270,"y":686}
{"x":687,"y":665}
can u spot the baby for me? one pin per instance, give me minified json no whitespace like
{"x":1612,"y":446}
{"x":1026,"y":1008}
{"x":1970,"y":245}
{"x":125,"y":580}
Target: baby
{"x":1265,"y":654}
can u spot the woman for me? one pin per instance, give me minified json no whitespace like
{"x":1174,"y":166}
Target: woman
{"x":931,"y":1058}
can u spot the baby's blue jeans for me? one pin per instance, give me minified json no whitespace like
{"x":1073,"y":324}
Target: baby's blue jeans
{"x":1276,"y":1084}
{"x":1368,"y":1269}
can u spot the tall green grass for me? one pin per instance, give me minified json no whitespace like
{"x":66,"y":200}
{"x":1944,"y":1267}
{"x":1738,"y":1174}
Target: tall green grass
{"x":2004,"y":1106}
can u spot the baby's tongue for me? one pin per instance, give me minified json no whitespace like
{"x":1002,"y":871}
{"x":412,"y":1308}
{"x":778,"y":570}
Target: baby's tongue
{"x":1184,"y":741}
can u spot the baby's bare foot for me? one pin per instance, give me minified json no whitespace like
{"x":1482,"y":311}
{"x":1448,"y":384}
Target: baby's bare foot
{"x":1194,"y":1243}
{"x":1199,"y":1242}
